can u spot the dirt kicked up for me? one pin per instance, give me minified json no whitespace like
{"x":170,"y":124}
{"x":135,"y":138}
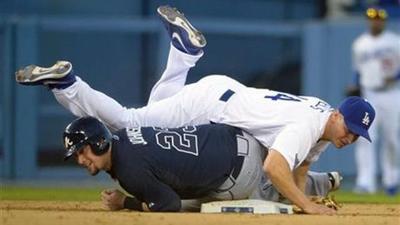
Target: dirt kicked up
{"x":62,"y":212}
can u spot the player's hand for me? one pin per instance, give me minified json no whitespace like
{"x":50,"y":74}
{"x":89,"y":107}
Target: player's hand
{"x":113,"y":199}
{"x":313,"y":208}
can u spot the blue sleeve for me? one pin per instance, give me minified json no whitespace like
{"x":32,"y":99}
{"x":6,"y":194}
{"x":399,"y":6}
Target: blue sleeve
{"x":158,"y":196}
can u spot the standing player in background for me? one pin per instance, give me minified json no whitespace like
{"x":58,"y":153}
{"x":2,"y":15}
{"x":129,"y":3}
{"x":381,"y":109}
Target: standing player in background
{"x":376,"y":59}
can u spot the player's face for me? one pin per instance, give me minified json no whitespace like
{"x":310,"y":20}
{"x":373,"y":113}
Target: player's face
{"x":92,"y":162}
{"x":376,"y":26}
{"x":342,"y":136}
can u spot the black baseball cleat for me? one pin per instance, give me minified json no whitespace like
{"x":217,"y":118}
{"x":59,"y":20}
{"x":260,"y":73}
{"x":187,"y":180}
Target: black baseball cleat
{"x":59,"y":76}
{"x":335,"y":179}
{"x":183,"y":35}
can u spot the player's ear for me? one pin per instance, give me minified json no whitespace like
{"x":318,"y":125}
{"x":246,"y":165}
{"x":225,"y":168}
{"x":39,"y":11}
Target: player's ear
{"x":336,"y":116}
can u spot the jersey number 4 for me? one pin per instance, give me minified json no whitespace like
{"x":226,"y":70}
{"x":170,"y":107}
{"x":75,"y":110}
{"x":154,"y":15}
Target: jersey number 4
{"x":320,"y":105}
{"x":282,"y":96}
{"x":181,"y":140}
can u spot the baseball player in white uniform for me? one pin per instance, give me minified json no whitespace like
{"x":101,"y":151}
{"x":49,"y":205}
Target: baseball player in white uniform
{"x":376,"y":58}
{"x":294,"y":129}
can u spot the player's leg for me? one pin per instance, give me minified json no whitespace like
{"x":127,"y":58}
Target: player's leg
{"x":390,"y":151}
{"x":366,"y":162}
{"x":186,"y":49}
{"x":316,"y":184}
{"x":82,"y":100}
{"x":75,"y":94}
{"x":321,"y":184}
{"x":195,"y":104}
{"x":365,"y":154}
{"x":241,"y":184}
{"x":175,"y":111}
{"x":174,"y":76}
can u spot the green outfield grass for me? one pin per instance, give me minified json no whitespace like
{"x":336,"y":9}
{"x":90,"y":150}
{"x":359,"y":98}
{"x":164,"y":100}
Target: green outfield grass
{"x":93,"y":194}
{"x":350,"y":197}
{"x":58,"y":194}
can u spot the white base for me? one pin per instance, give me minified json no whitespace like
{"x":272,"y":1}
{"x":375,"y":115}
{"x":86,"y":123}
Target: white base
{"x":246,"y":206}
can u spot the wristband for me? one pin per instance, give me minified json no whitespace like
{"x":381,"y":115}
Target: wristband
{"x":133,"y":203}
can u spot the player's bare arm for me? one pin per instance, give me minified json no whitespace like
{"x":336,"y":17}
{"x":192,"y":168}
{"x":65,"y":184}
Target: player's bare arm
{"x":277,"y":169}
{"x":300,"y":175}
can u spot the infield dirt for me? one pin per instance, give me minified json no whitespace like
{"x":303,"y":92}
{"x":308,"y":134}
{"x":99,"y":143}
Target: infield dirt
{"x":62,"y":212}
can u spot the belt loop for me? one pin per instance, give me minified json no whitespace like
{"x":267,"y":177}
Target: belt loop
{"x":238,"y":166}
{"x":227,"y":94}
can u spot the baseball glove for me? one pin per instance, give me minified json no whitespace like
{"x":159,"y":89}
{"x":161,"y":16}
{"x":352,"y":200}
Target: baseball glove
{"x":328,"y":201}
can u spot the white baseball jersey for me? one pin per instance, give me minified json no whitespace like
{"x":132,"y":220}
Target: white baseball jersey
{"x":289,"y":124}
{"x":376,"y":58}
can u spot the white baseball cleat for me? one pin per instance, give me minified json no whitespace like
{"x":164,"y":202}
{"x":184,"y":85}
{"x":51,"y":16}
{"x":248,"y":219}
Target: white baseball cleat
{"x":183,"y":35}
{"x":57,"y":76}
{"x":335,"y":179}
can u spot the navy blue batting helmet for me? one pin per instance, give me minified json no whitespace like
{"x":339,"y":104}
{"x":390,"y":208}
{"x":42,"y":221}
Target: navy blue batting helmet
{"x":86,"y":131}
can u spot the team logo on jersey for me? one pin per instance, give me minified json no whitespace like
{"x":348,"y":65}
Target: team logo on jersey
{"x":366,"y":119}
{"x":68,"y":143}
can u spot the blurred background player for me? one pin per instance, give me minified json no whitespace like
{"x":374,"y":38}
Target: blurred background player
{"x":376,"y":59}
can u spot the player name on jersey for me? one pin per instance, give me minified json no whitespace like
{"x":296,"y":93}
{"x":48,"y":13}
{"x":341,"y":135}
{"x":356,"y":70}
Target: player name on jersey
{"x":135,"y":136}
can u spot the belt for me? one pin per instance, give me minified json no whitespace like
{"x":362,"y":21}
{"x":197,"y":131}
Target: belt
{"x":226,"y":95}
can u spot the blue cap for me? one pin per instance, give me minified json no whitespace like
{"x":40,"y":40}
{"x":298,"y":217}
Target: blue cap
{"x":358,"y":115}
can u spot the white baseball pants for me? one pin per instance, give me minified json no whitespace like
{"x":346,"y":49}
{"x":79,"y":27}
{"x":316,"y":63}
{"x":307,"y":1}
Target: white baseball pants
{"x":387,"y":121}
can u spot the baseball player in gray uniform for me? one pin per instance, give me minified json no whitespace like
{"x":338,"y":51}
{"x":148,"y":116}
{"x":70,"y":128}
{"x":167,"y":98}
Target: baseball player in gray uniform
{"x":376,"y":59}
{"x":294,"y":130}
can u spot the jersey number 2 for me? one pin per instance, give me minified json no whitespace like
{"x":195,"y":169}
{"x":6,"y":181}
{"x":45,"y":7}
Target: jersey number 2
{"x":182,"y":141}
